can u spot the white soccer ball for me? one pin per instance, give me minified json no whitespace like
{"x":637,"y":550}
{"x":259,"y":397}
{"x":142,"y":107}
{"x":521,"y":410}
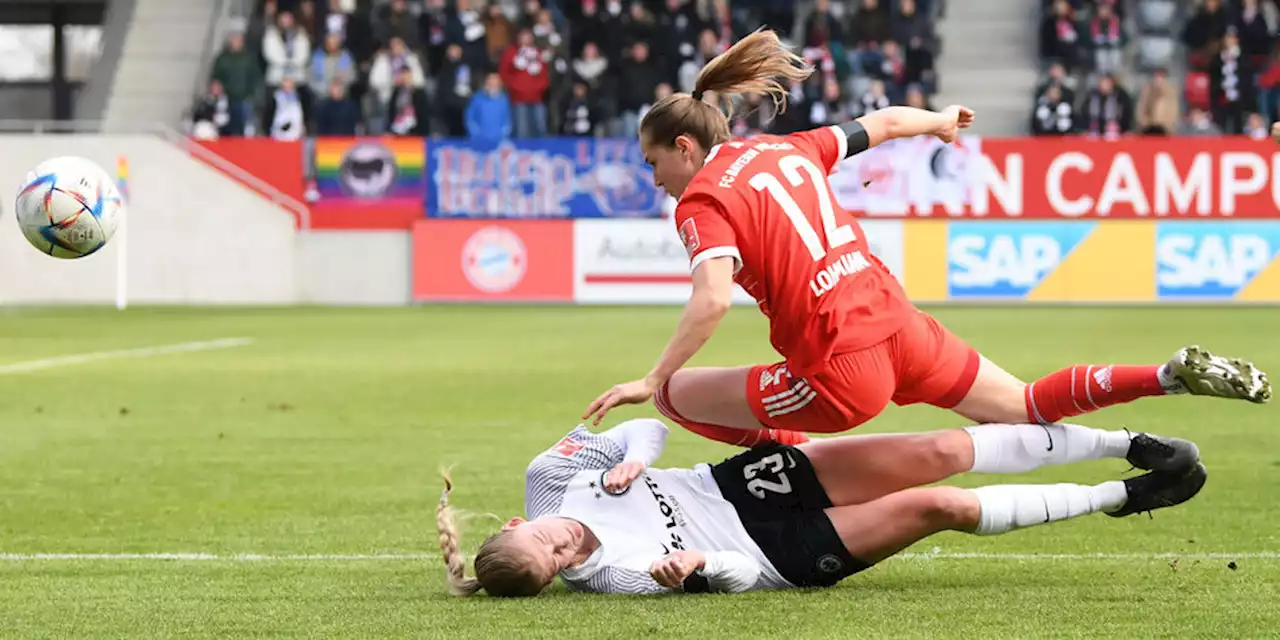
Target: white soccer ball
{"x":68,"y":207}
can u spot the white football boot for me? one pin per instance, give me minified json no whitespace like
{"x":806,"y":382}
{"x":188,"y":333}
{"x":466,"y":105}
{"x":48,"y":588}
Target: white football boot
{"x":1196,"y":371}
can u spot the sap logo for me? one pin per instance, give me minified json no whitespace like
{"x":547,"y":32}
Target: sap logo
{"x":1211,"y":261}
{"x":1020,"y":262}
{"x":1007,"y":259}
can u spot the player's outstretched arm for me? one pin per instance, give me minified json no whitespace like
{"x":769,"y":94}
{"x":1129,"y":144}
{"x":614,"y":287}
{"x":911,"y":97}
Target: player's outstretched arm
{"x":905,"y":122}
{"x":712,"y":296}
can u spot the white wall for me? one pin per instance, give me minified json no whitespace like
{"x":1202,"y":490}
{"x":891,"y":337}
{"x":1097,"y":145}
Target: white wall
{"x":195,"y":236}
{"x":355,"y":267}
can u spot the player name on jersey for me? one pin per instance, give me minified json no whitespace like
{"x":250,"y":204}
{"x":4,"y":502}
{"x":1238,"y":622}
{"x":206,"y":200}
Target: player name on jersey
{"x":847,"y":265}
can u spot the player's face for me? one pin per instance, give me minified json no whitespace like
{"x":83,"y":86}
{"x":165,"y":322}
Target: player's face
{"x":674,"y":166}
{"x":552,"y":543}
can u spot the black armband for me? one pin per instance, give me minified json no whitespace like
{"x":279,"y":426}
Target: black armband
{"x":859,"y":140}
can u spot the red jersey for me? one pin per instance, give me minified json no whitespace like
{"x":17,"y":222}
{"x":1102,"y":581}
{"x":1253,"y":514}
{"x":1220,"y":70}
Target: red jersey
{"x":767,"y":203}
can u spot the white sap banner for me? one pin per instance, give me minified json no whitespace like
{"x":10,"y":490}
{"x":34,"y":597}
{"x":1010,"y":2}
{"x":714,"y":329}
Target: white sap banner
{"x":909,"y":175}
{"x":644,"y":262}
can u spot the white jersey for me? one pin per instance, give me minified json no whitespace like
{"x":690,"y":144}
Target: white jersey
{"x":664,"y":510}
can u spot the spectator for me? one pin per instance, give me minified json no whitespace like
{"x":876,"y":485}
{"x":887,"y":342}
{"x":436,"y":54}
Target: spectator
{"x":754,"y":117}
{"x":869,"y":28}
{"x":1059,"y":36}
{"x":639,"y":76}
{"x":1231,"y":82}
{"x":920,"y":65}
{"x":284,"y":118}
{"x":832,"y":108}
{"x":1256,"y":127}
{"x":307,"y":20}
{"x":489,"y":114}
{"x":1058,"y":77}
{"x":1269,"y":89}
{"x":337,"y":115}
{"x":1204,"y":31}
{"x":893,"y":68}
{"x":874,"y":99}
{"x":606,"y":26}
{"x":639,"y":25}
{"x":916,"y":97}
{"x":331,"y":64}
{"x":1053,"y":115}
{"x":1158,"y":106}
{"x":580,"y":116}
{"x":1108,"y":110}
{"x":822,"y":28}
{"x":287,"y":51}
{"x":1107,"y":37}
{"x":498,"y":32}
{"x":456,"y":83}
{"x":728,"y":29}
{"x":526,"y":76}
{"x":591,"y":67}
{"x":211,"y":115}
{"x":394,"y":20}
{"x":545,"y":34}
{"x":388,"y":64}
{"x":1251,"y":26}
{"x":407,"y":109}
{"x":237,"y":71}
{"x":907,"y":23}
{"x":1198,"y":123}
{"x":355,"y":29}
{"x":708,"y":48}
{"x":467,"y":29}
{"x":678,"y":27}
{"x":432,"y":24}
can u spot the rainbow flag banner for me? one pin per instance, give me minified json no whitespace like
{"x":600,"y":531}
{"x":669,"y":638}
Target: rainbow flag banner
{"x":370,"y":170}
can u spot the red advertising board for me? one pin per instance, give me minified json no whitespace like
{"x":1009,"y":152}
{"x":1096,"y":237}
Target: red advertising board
{"x":492,"y":260}
{"x":1065,"y":178}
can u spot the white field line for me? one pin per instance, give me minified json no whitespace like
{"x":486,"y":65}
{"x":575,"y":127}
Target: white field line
{"x":141,"y":352}
{"x":403,"y":557}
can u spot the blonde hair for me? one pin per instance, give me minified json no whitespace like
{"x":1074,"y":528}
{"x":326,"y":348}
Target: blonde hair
{"x":756,"y":64}
{"x":502,"y":568}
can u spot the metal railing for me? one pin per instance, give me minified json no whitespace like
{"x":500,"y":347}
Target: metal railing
{"x":299,"y":209}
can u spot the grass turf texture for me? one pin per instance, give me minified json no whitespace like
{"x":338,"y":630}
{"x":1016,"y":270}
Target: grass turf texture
{"x":324,"y":435}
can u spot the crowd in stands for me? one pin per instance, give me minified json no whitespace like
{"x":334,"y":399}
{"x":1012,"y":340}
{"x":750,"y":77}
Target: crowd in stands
{"x":1203,"y":67}
{"x":534,"y":68}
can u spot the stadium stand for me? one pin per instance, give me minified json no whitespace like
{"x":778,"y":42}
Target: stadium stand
{"x":533,"y":68}
{"x":1197,"y":68}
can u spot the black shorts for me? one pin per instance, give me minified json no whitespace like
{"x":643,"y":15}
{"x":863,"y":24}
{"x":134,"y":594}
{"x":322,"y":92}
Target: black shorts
{"x":781,"y":504}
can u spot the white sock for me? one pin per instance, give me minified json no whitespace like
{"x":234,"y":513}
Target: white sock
{"x":1018,"y":448}
{"x":1009,"y":506}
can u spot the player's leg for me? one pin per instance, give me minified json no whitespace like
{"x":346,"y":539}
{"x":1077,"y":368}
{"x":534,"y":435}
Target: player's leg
{"x":876,"y":530}
{"x":712,"y":402}
{"x":858,"y":469}
{"x":942,"y":370}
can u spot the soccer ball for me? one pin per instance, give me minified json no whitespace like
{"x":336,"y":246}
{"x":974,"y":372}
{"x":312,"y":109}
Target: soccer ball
{"x":68,"y":207}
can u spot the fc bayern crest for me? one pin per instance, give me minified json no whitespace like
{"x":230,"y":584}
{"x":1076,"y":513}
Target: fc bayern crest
{"x":494,"y":260}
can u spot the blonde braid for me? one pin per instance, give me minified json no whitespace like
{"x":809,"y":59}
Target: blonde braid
{"x":455,"y":563}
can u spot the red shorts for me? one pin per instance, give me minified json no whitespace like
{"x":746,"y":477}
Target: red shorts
{"x":922,"y":362}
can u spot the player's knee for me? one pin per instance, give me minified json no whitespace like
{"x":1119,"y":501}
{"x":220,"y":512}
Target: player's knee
{"x":948,"y":508}
{"x":948,"y":452}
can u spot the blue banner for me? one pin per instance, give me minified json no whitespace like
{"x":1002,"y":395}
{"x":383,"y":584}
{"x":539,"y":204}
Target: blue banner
{"x":543,"y":178}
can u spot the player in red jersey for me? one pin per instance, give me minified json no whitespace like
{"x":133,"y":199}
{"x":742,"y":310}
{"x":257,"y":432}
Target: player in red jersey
{"x":761,"y":213}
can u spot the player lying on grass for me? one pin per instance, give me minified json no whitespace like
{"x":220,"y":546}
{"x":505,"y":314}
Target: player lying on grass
{"x":760,"y":213}
{"x":789,"y":516}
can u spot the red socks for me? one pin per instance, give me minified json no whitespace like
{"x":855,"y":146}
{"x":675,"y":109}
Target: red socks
{"x":727,"y":435}
{"x":1086,"y":388}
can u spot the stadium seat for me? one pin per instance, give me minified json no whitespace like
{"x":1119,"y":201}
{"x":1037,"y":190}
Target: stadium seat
{"x":1196,"y":90}
{"x":1155,"y":52}
{"x":1157,"y":16}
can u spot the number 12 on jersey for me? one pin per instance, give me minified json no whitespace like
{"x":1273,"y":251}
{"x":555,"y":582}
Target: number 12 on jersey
{"x":793,"y":169}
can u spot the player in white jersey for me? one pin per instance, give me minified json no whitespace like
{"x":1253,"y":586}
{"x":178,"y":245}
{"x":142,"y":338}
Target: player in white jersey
{"x":783,"y":516}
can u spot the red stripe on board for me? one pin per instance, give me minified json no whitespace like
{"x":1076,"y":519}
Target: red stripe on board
{"x":637,"y":279}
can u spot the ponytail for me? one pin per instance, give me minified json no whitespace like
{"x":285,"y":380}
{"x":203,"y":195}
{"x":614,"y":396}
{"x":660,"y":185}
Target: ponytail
{"x":455,"y":563}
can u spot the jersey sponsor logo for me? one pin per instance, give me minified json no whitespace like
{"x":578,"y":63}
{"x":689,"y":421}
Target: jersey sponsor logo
{"x":670,"y":509}
{"x":568,"y":446}
{"x":1007,"y":259}
{"x":846,"y":265}
{"x":1212,"y":259}
{"x":689,"y":236}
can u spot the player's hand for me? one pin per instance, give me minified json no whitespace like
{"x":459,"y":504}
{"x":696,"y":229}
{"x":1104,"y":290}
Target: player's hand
{"x":628,"y":393}
{"x":621,"y":476}
{"x":1275,"y":132}
{"x":671,"y":570}
{"x":956,"y":118}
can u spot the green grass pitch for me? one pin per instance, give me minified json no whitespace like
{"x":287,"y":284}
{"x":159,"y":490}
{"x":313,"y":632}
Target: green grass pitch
{"x":323,"y":436}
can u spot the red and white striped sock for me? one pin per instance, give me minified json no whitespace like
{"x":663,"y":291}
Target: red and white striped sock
{"x":1086,"y":388}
